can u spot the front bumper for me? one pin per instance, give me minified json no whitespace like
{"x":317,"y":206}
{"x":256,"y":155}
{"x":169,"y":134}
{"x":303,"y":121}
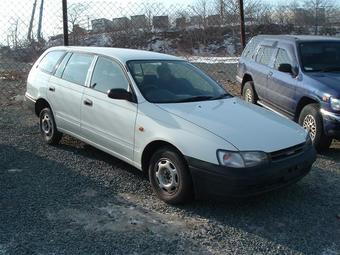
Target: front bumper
{"x":29,"y":103}
{"x":331,"y":123}
{"x":220,"y":181}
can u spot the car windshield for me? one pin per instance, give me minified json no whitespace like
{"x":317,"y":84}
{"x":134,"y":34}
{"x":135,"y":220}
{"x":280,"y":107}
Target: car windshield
{"x":320,"y":56}
{"x":164,"y":81}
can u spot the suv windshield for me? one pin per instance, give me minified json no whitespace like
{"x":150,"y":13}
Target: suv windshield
{"x":164,"y":81}
{"x":320,"y":56}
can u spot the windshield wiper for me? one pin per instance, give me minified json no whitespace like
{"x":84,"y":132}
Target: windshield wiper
{"x":195,"y":98}
{"x":330,"y":69}
{"x":225,"y":95}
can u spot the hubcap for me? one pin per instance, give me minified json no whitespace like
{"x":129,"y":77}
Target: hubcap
{"x":46,"y":125}
{"x":248,"y":96}
{"x":309,"y":124}
{"x":166,"y":176}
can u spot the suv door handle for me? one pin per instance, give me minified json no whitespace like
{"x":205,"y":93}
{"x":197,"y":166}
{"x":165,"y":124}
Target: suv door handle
{"x":88,"y":102}
{"x":51,"y":89}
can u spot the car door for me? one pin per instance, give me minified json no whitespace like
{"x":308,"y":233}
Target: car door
{"x":282,"y":85}
{"x":261,"y":69}
{"x":66,"y":90}
{"x":107,"y":122}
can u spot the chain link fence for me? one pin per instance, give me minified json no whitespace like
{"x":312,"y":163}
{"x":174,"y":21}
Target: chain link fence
{"x":205,"y":32}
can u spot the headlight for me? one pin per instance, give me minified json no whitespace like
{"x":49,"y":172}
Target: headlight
{"x":335,"y":104}
{"x":241,"y":159}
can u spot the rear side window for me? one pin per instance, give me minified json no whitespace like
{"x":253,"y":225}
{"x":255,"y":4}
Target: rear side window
{"x":49,"y":61}
{"x":62,"y":65}
{"x":250,"y":48}
{"x":264,"y":55}
{"x":108,"y":75}
{"x":77,"y":67}
{"x":282,"y":57}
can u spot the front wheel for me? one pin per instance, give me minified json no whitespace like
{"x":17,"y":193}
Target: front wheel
{"x":169,"y":176}
{"x":248,"y":92}
{"x":48,"y":128}
{"x":311,"y":119}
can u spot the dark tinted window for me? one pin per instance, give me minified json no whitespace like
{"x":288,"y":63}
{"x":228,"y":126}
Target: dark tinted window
{"x":77,"y":68}
{"x":264,"y":55}
{"x":320,"y":56}
{"x":282,"y":57}
{"x":108,"y":75}
{"x":49,"y":61}
{"x":162,"y":81}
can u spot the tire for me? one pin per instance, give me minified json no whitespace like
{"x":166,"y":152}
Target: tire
{"x":169,"y":176}
{"x":248,"y":92}
{"x":311,"y":119}
{"x":48,"y":128}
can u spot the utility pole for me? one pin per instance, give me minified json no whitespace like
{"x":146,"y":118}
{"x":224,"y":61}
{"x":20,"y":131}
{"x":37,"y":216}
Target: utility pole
{"x":40,"y":20}
{"x":65,"y":22}
{"x":29,"y":35}
{"x":242,"y":26}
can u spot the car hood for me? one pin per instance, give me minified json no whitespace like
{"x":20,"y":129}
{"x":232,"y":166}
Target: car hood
{"x":331,"y":80}
{"x":246,"y":126}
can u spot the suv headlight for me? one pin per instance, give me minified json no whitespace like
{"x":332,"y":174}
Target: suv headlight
{"x":335,"y":104}
{"x":241,"y":159}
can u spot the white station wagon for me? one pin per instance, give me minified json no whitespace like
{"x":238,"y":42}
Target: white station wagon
{"x":167,"y":118}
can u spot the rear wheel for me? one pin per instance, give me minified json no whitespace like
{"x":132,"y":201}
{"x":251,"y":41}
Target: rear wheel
{"x":169,"y":176}
{"x":311,"y":119}
{"x":248,"y":92}
{"x":48,"y":128}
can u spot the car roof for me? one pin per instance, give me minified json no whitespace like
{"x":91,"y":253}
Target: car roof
{"x":120,"y":54}
{"x":297,"y":38}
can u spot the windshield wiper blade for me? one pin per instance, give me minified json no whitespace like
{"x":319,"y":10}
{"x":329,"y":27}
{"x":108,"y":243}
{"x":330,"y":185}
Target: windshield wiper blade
{"x":330,"y":69}
{"x":222,"y":96}
{"x":195,"y":98}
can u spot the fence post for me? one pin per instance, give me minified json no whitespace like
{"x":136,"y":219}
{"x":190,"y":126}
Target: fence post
{"x":242,"y":27}
{"x":65,"y":22}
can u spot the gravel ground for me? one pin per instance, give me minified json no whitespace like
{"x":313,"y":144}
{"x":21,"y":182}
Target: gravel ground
{"x":75,"y":199}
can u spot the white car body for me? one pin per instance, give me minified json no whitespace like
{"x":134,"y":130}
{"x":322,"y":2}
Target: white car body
{"x":124,"y":129}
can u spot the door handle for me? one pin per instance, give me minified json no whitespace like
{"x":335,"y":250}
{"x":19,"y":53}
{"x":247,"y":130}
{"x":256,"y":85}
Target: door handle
{"x":51,"y":89}
{"x":88,"y":102}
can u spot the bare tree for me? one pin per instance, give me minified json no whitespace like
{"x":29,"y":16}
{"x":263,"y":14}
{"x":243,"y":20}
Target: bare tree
{"x":12,"y":37}
{"x":76,"y":13}
{"x":320,"y":10}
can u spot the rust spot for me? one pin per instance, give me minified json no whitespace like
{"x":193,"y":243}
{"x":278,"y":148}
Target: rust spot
{"x":141,"y":129}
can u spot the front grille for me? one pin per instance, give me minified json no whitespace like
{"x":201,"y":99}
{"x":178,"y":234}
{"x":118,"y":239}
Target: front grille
{"x":288,"y":152}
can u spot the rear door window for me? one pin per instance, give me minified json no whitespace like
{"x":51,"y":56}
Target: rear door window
{"x":264,"y":55}
{"x":50,"y":60}
{"x":77,"y":68}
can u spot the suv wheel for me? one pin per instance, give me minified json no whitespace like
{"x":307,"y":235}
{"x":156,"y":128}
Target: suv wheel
{"x":169,"y":176}
{"x":48,"y":128}
{"x":248,"y":92}
{"x":311,"y":119}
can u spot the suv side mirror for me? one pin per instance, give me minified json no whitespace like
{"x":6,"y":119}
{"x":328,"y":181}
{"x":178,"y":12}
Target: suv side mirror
{"x":120,"y":94}
{"x":286,"y":68}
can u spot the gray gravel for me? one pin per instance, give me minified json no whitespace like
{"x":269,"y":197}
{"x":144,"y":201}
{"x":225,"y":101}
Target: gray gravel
{"x":75,"y":199}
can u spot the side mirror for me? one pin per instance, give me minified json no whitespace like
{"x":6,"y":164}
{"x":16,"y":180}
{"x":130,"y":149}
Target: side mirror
{"x":286,"y":68}
{"x":120,"y":94}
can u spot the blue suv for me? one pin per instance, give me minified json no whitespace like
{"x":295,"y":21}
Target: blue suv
{"x":298,"y":77}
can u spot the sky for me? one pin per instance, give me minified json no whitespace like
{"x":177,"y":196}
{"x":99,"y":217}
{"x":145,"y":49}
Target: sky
{"x":12,"y":11}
